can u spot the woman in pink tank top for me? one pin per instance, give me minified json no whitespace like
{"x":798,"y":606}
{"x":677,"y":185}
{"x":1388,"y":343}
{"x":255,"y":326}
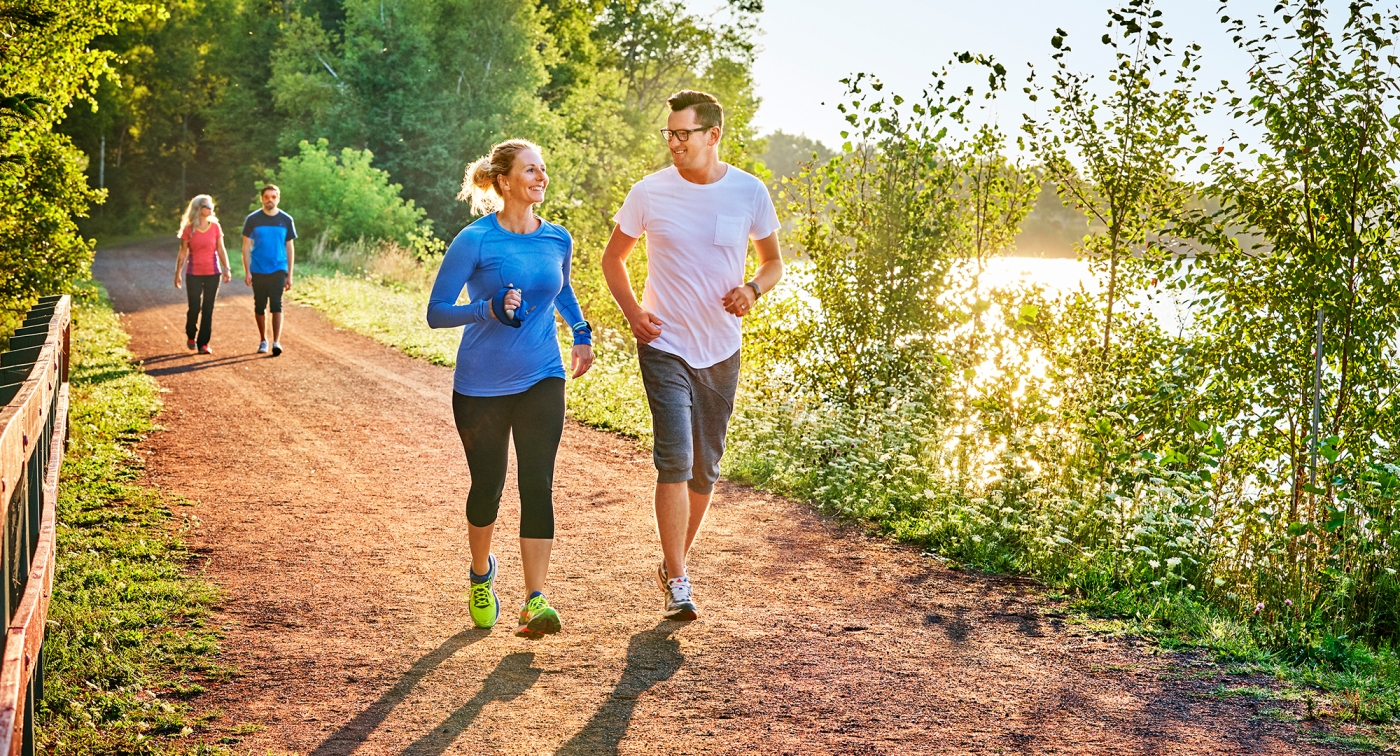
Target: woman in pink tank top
{"x":203,"y":261}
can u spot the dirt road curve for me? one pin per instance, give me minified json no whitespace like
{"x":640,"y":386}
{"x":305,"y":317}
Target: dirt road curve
{"x":331,"y":487}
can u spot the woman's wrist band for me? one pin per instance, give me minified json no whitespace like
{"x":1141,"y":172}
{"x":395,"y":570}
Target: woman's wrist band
{"x":583,"y":333}
{"x":757,"y":292}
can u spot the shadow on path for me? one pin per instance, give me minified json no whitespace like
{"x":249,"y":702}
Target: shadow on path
{"x":345,"y":740}
{"x":512,"y":677}
{"x":190,"y":367}
{"x":652,"y":657}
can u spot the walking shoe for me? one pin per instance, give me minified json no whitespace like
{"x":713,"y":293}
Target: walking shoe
{"x":537,"y":618}
{"x":679,"y":605}
{"x":485,"y":606}
{"x":276,"y":349}
{"x":192,"y":345}
{"x":262,"y":347}
{"x":205,"y":350}
{"x":663,"y":580}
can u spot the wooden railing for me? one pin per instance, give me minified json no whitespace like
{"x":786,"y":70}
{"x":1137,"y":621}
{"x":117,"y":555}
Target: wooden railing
{"x":33,"y":434}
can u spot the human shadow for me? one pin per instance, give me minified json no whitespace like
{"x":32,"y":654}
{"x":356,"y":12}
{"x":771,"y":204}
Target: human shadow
{"x":511,"y":678}
{"x":956,"y":627}
{"x":652,"y":657}
{"x":190,"y":367}
{"x":349,"y":737}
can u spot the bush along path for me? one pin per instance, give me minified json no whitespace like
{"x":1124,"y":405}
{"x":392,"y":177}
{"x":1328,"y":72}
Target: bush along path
{"x":129,"y":644}
{"x":332,"y":486}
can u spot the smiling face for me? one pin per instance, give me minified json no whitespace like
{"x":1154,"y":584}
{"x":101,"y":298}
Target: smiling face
{"x":700,"y":150}
{"x":527,"y":179}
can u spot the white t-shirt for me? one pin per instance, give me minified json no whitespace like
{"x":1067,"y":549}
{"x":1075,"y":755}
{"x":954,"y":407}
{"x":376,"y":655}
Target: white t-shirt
{"x":697,"y":239}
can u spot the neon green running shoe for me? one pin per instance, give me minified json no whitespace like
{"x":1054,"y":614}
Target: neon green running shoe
{"x":538,"y":618}
{"x":485,"y":606}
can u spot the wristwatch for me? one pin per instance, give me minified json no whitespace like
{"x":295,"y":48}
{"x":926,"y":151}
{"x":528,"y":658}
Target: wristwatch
{"x":757,"y":292}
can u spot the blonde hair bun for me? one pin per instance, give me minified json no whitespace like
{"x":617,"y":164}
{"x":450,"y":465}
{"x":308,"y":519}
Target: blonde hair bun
{"x":479,"y":185}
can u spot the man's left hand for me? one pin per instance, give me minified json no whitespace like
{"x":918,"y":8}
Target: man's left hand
{"x":288,"y":285}
{"x":739,"y":300}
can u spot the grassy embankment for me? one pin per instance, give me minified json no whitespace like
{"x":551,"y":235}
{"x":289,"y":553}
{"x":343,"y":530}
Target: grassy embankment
{"x":128,"y":641}
{"x":1357,"y":692}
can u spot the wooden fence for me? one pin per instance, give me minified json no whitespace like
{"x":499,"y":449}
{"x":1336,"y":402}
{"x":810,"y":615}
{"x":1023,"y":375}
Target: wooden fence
{"x":33,"y":434}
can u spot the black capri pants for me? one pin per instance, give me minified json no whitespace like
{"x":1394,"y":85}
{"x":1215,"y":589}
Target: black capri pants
{"x":535,"y":417}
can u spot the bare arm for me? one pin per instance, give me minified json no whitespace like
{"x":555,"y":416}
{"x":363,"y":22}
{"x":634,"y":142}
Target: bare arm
{"x":247,"y":272}
{"x":223,"y":258}
{"x":291,"y":261}
{"x":741,"y":299}
{"x":645,"y":326}
{"x":180,"y":260}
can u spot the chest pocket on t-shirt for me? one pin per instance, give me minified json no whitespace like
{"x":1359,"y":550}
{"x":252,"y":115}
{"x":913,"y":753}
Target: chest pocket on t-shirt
{"x":731,"y":231}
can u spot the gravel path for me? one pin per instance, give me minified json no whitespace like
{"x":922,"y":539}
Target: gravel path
{"x":331,"y":485}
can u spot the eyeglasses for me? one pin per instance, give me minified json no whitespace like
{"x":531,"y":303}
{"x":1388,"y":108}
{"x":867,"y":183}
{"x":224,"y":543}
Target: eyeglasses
{"x":207,"y":205}
{"x":682,"y":135}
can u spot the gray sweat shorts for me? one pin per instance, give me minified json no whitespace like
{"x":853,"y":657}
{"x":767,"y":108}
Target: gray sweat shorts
{"x":690,"y":411}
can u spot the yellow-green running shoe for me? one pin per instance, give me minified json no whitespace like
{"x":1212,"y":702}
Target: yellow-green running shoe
{"x":537,"y":618}
{"x":485,"y":606}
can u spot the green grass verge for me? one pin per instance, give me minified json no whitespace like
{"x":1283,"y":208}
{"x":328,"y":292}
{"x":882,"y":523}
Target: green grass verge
{"x":128,"y":640}
{"x":609,"y":396}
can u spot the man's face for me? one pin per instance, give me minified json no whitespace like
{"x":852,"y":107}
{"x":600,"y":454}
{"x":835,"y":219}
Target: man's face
{"x":269,"y":200}
{"x":699,"y":148}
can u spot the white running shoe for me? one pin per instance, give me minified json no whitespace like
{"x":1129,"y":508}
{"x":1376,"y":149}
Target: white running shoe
{"x":276,"y":349}
{"x":262,"y":347}
{"x":679,"y":604}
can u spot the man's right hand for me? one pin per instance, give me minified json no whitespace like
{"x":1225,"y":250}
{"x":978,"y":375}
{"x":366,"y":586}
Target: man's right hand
{"x":248,"y":280}
{"x":646,"y":327}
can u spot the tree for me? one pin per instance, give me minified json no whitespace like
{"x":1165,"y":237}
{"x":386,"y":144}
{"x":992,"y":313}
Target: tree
{"x":787,"y":152}
{"x":1296,"y":275}
{"x":46,"y":62}
{"x":1116,"y":158}
{"x":346,"y":199}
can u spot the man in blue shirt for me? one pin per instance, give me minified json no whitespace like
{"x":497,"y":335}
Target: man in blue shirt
{"x":267,"y":263}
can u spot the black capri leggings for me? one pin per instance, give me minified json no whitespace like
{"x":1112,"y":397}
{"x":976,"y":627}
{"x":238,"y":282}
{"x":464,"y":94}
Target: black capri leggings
{"x":485,"y":423}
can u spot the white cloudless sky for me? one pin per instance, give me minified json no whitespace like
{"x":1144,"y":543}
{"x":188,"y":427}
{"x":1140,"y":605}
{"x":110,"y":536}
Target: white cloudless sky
{"x":808,"y":46}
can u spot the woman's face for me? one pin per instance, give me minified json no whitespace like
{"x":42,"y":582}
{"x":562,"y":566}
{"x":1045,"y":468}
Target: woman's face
{"x":206,"y":209}
{"x":527,"y":179}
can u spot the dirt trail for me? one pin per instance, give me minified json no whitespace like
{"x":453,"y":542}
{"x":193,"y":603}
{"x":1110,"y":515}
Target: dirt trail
{"x":332,"y":484}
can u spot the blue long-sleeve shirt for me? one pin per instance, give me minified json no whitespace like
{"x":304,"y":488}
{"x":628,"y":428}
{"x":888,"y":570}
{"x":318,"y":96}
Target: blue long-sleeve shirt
{"x":495,"y":359}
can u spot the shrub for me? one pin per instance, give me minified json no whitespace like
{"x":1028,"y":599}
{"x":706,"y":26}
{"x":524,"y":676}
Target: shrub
{"x":347,"y":199}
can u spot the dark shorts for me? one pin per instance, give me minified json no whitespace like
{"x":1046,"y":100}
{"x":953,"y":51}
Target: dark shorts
{"x":690,"y":411}
{"x":267,"y":291}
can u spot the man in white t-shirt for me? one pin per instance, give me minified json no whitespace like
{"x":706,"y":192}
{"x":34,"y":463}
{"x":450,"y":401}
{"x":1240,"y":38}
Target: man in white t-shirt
{"x":698,"y":217}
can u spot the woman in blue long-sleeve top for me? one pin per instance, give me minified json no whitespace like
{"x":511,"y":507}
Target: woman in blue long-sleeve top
{"x":510,"y":378}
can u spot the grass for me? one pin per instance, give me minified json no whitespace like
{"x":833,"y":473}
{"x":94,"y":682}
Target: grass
{"x":609,"y":396}
{"x":128,"y":641}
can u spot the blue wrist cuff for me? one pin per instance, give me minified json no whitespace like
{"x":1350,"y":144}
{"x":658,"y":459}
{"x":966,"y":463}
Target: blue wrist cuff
{"x":498,"y":308}
{"x":583,"y":333}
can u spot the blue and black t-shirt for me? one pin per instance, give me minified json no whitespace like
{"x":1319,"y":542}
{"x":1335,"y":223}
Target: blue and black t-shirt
{"x":270,"y":234}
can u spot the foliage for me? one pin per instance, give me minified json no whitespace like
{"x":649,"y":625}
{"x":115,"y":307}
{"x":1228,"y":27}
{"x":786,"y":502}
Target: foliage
{"x":1314,"y":204}
{"x":45,"y":64}
{"x":346,"y":198}
{"x":786,"y":153}
{"x":875,"y":225}
{"x":127,"y":634}
{"x":1116,"y":158}
{"x":426,"y":85}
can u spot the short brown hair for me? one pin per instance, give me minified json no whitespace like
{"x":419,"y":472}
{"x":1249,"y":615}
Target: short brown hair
{"x":708,"y":112}
{"x":269,"y":188}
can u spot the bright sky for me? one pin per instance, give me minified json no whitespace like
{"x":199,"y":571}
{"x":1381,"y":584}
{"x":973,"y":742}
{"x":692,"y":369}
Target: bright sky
{"x":809,"y":45}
